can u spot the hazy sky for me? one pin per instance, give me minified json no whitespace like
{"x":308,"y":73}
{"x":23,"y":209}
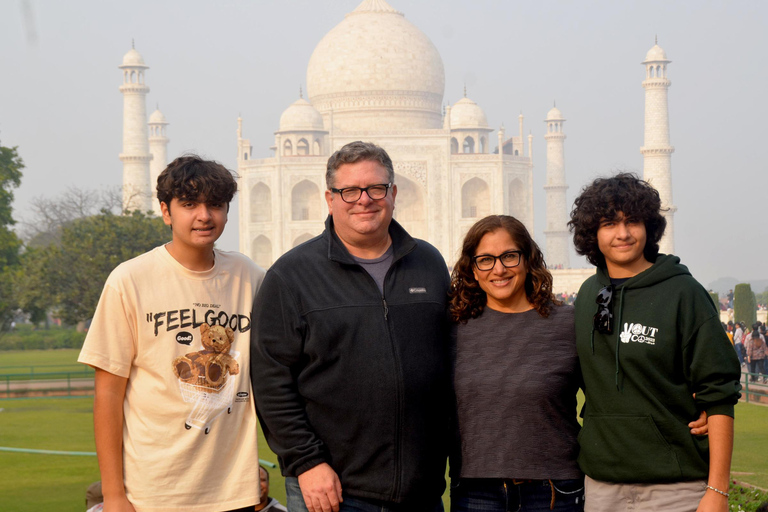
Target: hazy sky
{"x":210,"y":61}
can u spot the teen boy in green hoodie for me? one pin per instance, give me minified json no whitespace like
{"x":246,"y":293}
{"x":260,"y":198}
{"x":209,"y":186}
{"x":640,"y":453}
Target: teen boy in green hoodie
{"x":653,"y":355}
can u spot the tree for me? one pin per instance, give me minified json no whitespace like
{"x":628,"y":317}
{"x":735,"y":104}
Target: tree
{"x":68,"y":276}
{"x":47,"y":216}
{"x":11,"y":165}
{"x":744,"y":304}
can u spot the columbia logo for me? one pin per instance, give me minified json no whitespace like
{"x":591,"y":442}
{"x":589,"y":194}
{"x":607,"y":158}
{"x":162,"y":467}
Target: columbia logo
{"x":417,"y":290}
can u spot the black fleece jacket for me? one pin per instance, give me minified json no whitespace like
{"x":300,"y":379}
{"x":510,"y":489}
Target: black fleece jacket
{"x":345,"y":376}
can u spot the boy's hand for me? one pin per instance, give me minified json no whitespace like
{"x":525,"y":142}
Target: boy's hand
{"x":700,"y":427}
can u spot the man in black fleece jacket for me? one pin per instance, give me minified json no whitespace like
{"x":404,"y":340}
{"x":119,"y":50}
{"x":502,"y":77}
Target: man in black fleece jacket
{"x":350,"y":365}
{"x":653,"y":355}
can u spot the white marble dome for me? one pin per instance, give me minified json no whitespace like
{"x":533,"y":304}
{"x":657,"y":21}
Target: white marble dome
{"x":157,"y":117}
{"x":467,"y":115}
{"x":376,"y":70}
{"x":656,"y":54}
{"x":301,"y":116}
{"x":133,"y":59}
{"x":554,"y":114}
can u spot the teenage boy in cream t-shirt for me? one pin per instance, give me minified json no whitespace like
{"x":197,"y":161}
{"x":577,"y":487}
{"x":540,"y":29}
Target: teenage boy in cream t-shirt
{"x":174,"y":419}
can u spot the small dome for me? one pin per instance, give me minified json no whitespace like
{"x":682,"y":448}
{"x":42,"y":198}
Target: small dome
{"x":133,"y":58}
{"x":301,"y":116}
{"x":466,"y":114}
{"x":656,"y":54}
{"x":555,"y":114}
{"x":157,"y":117}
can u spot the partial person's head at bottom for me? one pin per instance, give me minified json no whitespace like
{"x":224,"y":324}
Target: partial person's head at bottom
{"x":500,"y":267}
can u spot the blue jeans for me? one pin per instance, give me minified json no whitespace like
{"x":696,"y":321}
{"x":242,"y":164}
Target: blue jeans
{"x":497,"y":495}
{"x":295,"y":502}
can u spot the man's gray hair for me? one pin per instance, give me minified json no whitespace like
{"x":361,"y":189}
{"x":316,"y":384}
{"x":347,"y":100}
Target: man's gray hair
{"x":358,"y":151}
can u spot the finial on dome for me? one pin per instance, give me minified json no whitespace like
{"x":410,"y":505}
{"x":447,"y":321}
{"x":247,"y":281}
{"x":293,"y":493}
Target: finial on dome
{"x":554,"y":103}
{"x":157,"y":106}
{"x":656,"y":39}
{"x":465,"y":90}
{"x":133,"y":44}
{"x":301,"y":92}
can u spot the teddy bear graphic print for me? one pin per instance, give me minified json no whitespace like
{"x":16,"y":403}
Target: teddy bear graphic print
{"x":203,"y":376}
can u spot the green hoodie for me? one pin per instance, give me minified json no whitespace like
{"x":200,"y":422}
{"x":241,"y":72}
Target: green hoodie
{"x":667,"y":346}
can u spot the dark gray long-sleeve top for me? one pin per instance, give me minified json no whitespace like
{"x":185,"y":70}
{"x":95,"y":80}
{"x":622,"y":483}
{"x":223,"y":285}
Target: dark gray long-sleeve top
{"x":516,"y":378}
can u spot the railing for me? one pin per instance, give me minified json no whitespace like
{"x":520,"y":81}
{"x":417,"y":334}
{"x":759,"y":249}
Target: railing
{"x":36,"y":383}
{"x":756,"y":390}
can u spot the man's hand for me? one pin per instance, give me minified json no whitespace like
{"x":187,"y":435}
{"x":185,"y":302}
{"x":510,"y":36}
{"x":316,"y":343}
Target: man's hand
{"x":321,"y":489}
{"x":713,"y":502}
{"x":700,"y":427}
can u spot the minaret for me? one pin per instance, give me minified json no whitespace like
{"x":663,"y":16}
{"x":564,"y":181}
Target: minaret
{"x":656,"y":150}
{"x":557,"y":255}
{"x":135,"y":155}
{"x":158,"y":148}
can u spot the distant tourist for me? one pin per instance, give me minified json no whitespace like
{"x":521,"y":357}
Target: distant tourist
{"x":173,"y":415}
{"x":653,"y":355}
{"x":267,"y":503}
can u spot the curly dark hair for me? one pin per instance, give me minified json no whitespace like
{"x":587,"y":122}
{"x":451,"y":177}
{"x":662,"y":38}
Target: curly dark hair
{"x":191,"y":177}
{"x":467,"y":299}
{"x":606,"y":198}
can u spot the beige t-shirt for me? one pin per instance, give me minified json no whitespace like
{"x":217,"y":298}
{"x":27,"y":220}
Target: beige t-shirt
{"x":187,"y":444}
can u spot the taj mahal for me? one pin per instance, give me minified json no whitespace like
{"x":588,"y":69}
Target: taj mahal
{"x":376,"y":77}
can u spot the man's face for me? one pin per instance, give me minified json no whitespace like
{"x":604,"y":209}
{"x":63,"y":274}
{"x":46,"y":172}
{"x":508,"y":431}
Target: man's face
{"x":195,"y":224}
{"x":365,"y":219}
{"x":622,"y":242}
{"x":264,"y":481}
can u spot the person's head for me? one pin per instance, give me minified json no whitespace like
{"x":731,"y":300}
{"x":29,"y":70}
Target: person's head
{"x":194,"y":197}
{"x":359,"y":218}
{"x":623,"y":198}
{"x":264,"y":484}
{"x":510,"y":270}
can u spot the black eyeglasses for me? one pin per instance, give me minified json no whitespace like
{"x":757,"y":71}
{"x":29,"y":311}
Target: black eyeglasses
{"x":509,"y":259}
{"x":604,"y":316}
{"x":352,"y":194}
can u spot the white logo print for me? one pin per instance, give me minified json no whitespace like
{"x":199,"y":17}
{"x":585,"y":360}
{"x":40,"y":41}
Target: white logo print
{"x":638,"y":333}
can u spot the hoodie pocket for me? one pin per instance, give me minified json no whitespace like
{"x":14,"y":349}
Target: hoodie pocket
{"x":623,"y":448}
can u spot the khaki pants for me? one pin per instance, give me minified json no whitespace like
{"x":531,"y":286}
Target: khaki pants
{"x":613,"y":497}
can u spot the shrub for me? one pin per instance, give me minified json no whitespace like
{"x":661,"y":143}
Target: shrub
{"x":744,"y":304}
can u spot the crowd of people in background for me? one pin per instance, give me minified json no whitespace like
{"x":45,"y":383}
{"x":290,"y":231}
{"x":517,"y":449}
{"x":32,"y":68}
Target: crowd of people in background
{"x":749,"y":344}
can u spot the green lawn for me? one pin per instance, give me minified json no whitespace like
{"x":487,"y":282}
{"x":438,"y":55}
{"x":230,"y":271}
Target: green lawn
{"x":750,"y":445}
{"x":24,"y":361}
{"x":32,"y":482}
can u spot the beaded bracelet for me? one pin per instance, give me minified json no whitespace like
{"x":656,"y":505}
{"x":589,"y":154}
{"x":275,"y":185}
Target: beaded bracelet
{"x":726,"y":494}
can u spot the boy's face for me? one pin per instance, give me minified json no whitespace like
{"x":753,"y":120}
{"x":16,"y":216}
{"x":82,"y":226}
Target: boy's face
{"x":195,"y":223}
{"x":622,"y":242}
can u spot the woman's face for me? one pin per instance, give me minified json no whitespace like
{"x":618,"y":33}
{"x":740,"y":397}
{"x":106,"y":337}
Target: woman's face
{"x":504,"y":287}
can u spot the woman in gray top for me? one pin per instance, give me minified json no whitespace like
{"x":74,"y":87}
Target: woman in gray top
{"x":516,"y":377}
